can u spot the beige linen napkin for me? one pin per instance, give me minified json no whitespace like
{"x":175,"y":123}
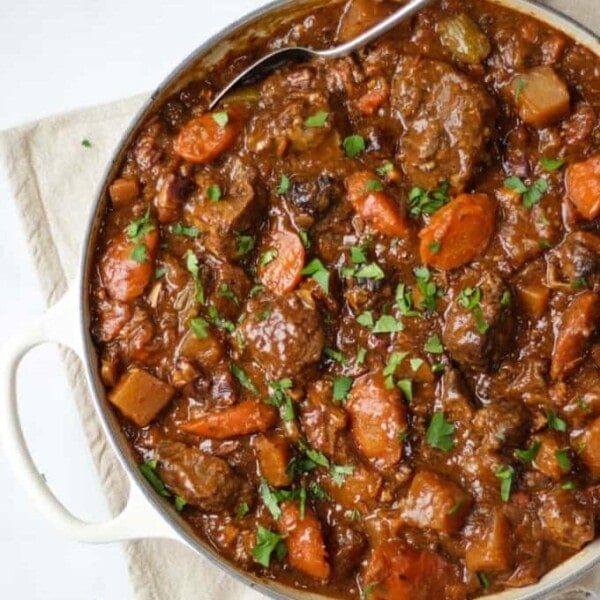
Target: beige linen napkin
{"x":54,"y":179}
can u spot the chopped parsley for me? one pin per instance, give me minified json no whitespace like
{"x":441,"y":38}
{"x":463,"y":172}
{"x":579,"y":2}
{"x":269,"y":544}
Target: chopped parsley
{"x":148,"y":470}
{"x":569,"y":486}
{"x":555,"y":422}
{"x":394,"y":361}
{"x":303,"y":235}
{"x":281,"y":399}
{"x":199,"y":328}
{"x":530,"y":195}
{"x":366,"y":319}
{"x":226,"y":292}
{"x":284,"y":185}
{"x":136,"y":230}
{"x":268,"y":256}
{"x":506,"y":299}
{"x":416,"y":364}
{"x":160,"y":272}
{"x":317,"y":120}
{"x":361,"y":355}
{"x":341,"y":387}
{"x":429,"y":290}
{"x":374,"y":185}
{"x":139,"y":253}
{"x":354,"y":145}
{"x":245,"y":244}
{"x":340,"y":472}
{"x":387,"y":324}
{"x":434,"y":247}
{"x":563,"y":459}
{"x":268,"y":543}
{"x":580,"y":283}
{"x":529,"y":455}
{"x":181,"y":229}
{"x":221,"y":118}
{"x":434,"y":345}
{"x":552,"y":164}
{"x":404,"y":302}
{"x":484,"y":579}
{"x":316,"y":269}
{"x":269,"y":499}
{"x":243,"y":378}
{"x":426,"y":202}
{"x":243,"y":510}
{"x":370,"y":271}
{"x":520,"y":87}
{"x":440,"y":433}
{"x":335,"y":355}
{"x":385,"y":168}
{"x":86,"y":143}
{"x":455,"y":508}
{"x":505,"y":473}
{"x":470,"y":298}
{"x":214,"y":192}
{"x":191,"y":262}
{"x":406,"y":387}
{"x":317,"y":492}
{"x":358,"y":255}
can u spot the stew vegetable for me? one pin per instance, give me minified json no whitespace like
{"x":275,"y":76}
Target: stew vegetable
{"x":349,"y":319}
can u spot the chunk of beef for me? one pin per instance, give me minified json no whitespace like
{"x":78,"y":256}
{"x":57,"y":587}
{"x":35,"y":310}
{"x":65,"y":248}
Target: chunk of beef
{"x":590,"y":443}
{"x":229,"y":287}
{"x":473,"y":335}
{"x":565,"y":520}
{"x":321,"y":419}
{"x":283,"y":334}
{"x":346,"y":548}
{"x":448,"y":119}
{"x":172,"y":191}
{"x":315,"y":195}
{"x":204,"y":481}
{"x":577,"y":257}
{"x":241,"y":208}
{"x":502,"y":423}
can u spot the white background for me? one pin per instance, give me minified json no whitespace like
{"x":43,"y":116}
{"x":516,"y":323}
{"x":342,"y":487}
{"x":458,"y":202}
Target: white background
{"x":57,"y":55}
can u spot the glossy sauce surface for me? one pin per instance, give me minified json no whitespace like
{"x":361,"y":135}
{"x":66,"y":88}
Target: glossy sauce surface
{"x":349,"y":319}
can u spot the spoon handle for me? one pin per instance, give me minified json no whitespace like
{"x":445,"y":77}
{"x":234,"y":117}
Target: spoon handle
{"x":376,"y":31}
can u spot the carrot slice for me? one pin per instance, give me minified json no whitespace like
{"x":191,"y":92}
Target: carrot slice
{"x":244,"y":418}
{"x":377,"y":419}
{"x":274,"y":455}
{"x":376,"y":207}
{"x":578,"y":323}
{"x":373,"y":99}
{"x":204,"y":138}
{"x":284,"y":271}
{"x":458,"y":232}
{"x":124,"y":277}
{"x":582,"y":181}
{"x":304,"y":542}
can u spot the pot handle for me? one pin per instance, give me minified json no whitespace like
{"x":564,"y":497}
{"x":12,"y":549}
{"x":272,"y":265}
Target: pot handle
{"x":138,"y":519}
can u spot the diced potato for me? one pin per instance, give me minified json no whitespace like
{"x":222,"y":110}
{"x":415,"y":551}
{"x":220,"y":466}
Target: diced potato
{"x":589,"y":442}
{"x":206,"y":352}
{"x":533,"y":298}
{"x":273,"y":458}
{"x":491,"y":551}
{"x":359,"y":489}
{"x":359,"y":16}
{"x":434,"y":502}
{"x":463,"y":37}
{"x":123,"y":191}
{"x":141,"y":396}
{"x":541,"y":96}
{"x":545,"y":460}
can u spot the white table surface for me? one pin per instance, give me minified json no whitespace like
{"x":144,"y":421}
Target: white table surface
{"x":57,"y":55}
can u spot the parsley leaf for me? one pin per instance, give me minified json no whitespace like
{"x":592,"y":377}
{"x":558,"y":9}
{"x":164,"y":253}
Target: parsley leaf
{"x":404,"y":302}
{"x":358,"y":254}
{"x":555,"y":422}
{"x":340,"y":472}
{"x":373,"y":185}
{"x":191,"y":262}
{"x":214,"y":192}
{"x":529,"y":455}
{"x":181,"y":229}
{"x":268,"y":542}
{"x":139,"y":253}
{"x":470,"y":298}
{"x":385,"y":168}
{"x":316,"y":269}
{"x":341,"y":387}
{"x":317,"y":120}
{"x":284,"y":185}
{"x":440,"y":433}
{"x":354,"y":145}
{"x":505,"y":473}
{"x":86,"y":143}
{"x":243,"y":510}
{"x":552,"y":164}
{"x":426,"y":202}
{"x":269,"y":499}
{"x":200,"y":328}
{"x":303,"y":234}
{"x":427,"y":287}
{"x":388,"y":324}
{"x":268,"y":256}
{"x":405,"y":386}
{"x":370,"y":271}
{"x":530,"y":195}
{"x":563,"y":459}
{"x":434,"y":345}
{"x":221,"y":118}
{"x":148,"y":470}
{"x":244,"y":380}
{"x":335,"y":355}
{"x":245,"y":244}
{"x":361,"y":355}
{"x":520,"y":87}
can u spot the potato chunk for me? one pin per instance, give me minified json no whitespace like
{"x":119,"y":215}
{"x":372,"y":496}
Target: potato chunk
{"x":274,"y":455}
{"x":541,"y":96}
{"x":123,"y":191}
{"x":590,"y":444}
{"x":140,"y":396}
{"x":491,"y":550}
{"x":436,"y":503}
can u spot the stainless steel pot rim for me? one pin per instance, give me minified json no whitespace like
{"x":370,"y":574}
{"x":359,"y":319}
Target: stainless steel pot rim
{"x":165,"y":511}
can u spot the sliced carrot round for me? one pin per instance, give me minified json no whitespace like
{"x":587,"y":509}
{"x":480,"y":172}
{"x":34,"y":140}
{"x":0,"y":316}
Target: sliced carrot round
{"x":582,"y":181}
{"x":285,"y":255}
{"x":458,"y":232}
{"x":203,"y":139}
{"x":377,"y":208}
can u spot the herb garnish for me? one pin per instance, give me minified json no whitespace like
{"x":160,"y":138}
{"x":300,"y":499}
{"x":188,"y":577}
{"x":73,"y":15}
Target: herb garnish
{"x":440,"y":433}
{"x":354,"y":145}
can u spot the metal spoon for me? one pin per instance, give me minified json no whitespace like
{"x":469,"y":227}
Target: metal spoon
{"x":267,"y":64}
